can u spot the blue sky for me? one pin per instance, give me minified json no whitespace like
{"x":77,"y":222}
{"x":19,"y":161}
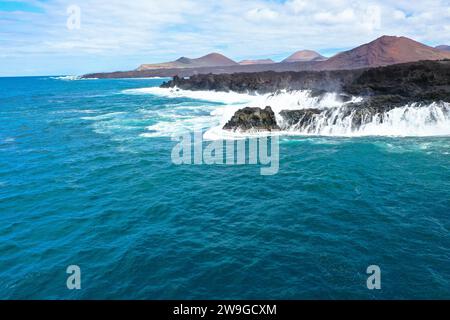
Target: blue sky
{"x":13,"y":6}
{"x":120,"y":35}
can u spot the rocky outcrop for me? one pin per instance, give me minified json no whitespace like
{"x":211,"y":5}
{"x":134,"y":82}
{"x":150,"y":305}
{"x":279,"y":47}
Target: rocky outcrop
{"x":353,"y":115}
{"x":403,"y":83}
{"x":382,"y":90}
{"x":253,"y":119}
{"x":312,"y":120}
{"x":266,"y":82}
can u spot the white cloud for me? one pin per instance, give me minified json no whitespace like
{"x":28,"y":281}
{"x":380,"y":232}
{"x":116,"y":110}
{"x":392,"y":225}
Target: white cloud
{"x":371,"y":19}
{"x":297,"y":6}
{"x":344,"y":16}
{"x":399,"y":15}
{"x":262,"y":14}
{"x":121,"y":34}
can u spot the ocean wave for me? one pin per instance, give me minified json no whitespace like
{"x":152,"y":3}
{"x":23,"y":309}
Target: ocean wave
{"x":71,"y":111}
{"x":410,"y":120}
{"x":211,"y":96}
{"x":413,"y":120}
{"x":8,"y":140}
{"x":72,"y":78}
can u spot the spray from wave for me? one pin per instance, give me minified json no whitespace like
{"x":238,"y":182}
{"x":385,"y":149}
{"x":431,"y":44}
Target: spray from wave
{"x":410,"y":120}
{"x":331,"y":115}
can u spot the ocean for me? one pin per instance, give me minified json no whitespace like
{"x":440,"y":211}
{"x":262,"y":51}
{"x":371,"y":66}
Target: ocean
{"x":87,"y":179}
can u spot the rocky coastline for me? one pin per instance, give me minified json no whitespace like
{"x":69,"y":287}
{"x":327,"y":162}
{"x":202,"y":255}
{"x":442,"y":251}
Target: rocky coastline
{"x":382,"y":90}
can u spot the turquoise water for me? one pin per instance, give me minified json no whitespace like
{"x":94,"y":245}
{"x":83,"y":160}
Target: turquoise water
{"x":85,"y":180}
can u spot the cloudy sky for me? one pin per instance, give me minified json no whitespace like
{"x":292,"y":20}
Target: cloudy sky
{"x":41,"y":37}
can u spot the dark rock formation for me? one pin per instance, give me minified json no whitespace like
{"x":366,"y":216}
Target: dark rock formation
{"x":299,"y":118}
{"x":267,"y":82}
{"x":353,"y":114}
{"x":308,"y":120}
{"x":426,"y":80}
{"x":253,"y":119}
{"x":382,"y":89}
{"x":399,"y":84}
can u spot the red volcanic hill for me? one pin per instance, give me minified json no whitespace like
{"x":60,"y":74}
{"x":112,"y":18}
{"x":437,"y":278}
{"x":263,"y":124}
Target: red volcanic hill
{"x":384,"y":51}
{"x":304,"y":56}
{"x":210,"y":60}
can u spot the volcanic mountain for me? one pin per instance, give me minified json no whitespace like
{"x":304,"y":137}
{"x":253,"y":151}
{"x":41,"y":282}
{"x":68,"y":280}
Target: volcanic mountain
{"x":443,"y":48}
{"x":304,"y":55}
{"x":210,"y":60}
{"x":384,"y":51}
{"x":254,"y":62}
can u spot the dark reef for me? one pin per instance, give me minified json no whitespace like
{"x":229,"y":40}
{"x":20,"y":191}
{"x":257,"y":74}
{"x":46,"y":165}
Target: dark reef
{"x":255,"y":119}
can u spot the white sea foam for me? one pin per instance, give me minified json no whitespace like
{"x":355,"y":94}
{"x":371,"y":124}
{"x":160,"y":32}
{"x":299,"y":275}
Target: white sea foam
{"x":105,"y":116}
{"x":211,"y":96}
{"x":8,"y":140}
{"x":72,"y":78}
{"x":67,"y":78}
{"x":410,"y":120}
{"x":70,"y":111}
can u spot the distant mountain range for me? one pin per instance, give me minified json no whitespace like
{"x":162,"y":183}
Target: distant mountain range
{"x":383,"y":51}
{"x":443,"y":48}
{"x":210,"y":60}
{"x":219,"y":60}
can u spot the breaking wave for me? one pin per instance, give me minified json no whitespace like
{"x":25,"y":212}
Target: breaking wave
{"x":332,"y":117}
{"x":72,"y":78}
{"x":410,"y":120}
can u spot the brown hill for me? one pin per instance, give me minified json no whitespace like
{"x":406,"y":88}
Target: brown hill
{"x":381,"y":52}
{"x":305,"y":55}
{"x":254,"y":62}
{"x":210,"y":60}
{"x":384,"y":51}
